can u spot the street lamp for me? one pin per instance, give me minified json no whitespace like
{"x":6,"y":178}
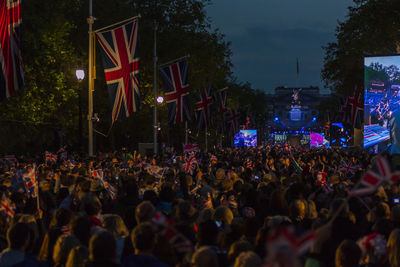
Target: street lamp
{"x":80,"y":75}
{"x":160,"y":99}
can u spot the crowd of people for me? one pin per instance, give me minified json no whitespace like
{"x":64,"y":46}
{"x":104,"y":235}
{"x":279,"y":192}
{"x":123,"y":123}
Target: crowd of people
{"x":264,"y":206}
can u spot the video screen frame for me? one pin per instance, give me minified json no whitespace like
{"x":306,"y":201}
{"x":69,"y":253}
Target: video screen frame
{"x":245,"y":138}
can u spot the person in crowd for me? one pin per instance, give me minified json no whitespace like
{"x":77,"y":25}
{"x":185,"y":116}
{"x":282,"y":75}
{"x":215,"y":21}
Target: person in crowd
{"x":102,"y":250}
{"x":18,"y":239}
{"x":77,"y":256}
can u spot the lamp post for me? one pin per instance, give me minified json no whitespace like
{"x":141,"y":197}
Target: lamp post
{"x":80,"y":75}
{"x":159,"y":100}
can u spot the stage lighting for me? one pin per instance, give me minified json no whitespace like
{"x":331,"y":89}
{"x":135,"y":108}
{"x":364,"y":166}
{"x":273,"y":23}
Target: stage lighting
{"x":276,"y":119}
{"x":314,"y":118}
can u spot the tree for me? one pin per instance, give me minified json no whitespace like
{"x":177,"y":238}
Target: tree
{"x":371,"y":28}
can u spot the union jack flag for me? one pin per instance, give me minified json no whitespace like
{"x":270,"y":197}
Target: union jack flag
{"x":220,"y":98}
{"x":356,"y":108}
{"x":203,"y":108}
{"x":7,"y":207}
{"x":175,"y":80}
{"x":31,"y":182}
{"x":348,"y":166}
{"x":166,"y":228}
{"x":286,"y":238}
{"x":155,"y":170}
{"x":50,"y":157}
{"x":12,"y":74}
{"x":98,"y":175}
{"x":374,"y":177}
{"x":121,"y":68}
{"x":189,"y":148}
{"x":233,"y":119}
{"x":190,"y":164}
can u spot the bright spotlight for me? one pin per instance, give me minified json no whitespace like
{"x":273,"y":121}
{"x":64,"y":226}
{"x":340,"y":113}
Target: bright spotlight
{"x":160,"y":99}
{"x":80,"y":74}
{"x":276,"y":119}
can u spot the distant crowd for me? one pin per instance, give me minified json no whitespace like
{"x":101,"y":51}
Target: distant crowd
{"x":244,"y":207}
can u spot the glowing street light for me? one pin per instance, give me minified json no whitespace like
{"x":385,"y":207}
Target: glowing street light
{"x":80,"y":74}
{"x":160,"y":99}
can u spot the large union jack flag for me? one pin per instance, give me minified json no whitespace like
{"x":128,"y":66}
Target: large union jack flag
{"x":121,"y":68}
{"x":98,"y":175}
{"x":31,"y":182}
{"x":7,"y":207}
{"x":203,"y":108}
{"x":12,"y":71}
{"x":175,"y":80}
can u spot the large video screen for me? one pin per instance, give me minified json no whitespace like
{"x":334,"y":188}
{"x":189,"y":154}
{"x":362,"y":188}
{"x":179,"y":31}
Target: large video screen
{"x":245,"y":138}
{"x":381,"y":103}
{"x":318,"y":140}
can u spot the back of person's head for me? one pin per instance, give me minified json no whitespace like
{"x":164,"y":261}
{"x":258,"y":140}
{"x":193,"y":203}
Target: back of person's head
{"x":143,"y":237}
{"x":102,"y":247}
{"x":115,"y":225}
{"x":64,"y":245}
{"x":207,"y":233}
{"x":237,"y":248}
{"x":91,"y":205}
{"x":18,"y":236}
{"x":223,"y":214}
{"x":248,"y":259}
{"x":80,"y":227}
{"x":61,"y":217}
{"x":297,"y":209}
{"x":395,"y":214}
{"x":336,"y":205}
{"x":348,"y":254}
{"x":382,"y":210}
{"x":167,"y":194}
{"x":77,"y":256}
{"x":393,"y":245}
{"x":205,"y":257}
{"x":144,"y":212}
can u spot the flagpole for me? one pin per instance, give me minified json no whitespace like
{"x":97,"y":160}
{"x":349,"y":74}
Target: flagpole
{"x":206,"y":133}
{"x":186,"y":132}
{"x":155,"y":89}
{"x":90,"y":21}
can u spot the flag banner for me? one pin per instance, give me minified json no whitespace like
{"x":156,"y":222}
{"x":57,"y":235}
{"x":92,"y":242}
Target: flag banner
{"x":356,"y":108}
{"x":31,"y":182}
{"x":289,"y":239}
{"x":203,"y":108}
{"x":232,"y":118}
{"x":375,"y":177}
{"x":348,"y":167}
{"x":12,"y":74}
{"x":98,"y":175}
{"x":176,"y":239}
{"x":175,"y":81}
{"x":7,"y":207}
{"x":121,"y":68}
{"x":50,"y":157}
{"x":190,"y":148}
{"x":220,"y":99}
{"x":190,"y":164}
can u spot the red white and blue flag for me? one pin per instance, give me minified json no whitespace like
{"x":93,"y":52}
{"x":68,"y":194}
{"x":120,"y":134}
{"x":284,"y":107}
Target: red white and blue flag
{"x":50,"y":157}
{"x":98,"y":175}
{"x":7,"y":207}
{"x":375,"y":177}
{"x":232,"y":118}
{"x":121,"y":68}
{"x":175,"y":80}
{"x":348,"y":166}
{"x":190,"y":148}
{"x":356,"y":108}
{"x":203,"y":108}
{"x":190,"y":164}
{"x":31,"y":182}
{"x":12,"y":70}
{"x":155,"y":170}
{"x":220,"y":99}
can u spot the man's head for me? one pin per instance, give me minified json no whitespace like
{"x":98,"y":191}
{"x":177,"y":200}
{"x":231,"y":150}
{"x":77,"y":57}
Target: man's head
{"x":143,"y":238}
{"x":18,"y":236}
{"x":102,"y":247}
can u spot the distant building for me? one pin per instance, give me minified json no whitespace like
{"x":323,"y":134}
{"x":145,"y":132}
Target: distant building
{"x":294,"y":108}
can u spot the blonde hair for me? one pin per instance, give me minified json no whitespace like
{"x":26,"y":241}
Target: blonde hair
{"x":393,"y":245}
{"x":64,"y":245}
{"x":115,"y":225}
{"x":77,"y":256}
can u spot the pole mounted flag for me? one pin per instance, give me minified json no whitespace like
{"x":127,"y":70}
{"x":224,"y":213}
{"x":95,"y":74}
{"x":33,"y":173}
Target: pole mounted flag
{"x":121,"y":67}
{"x":203,"y":108}
{"x":12,"y":71}
{"x":175,"y":80}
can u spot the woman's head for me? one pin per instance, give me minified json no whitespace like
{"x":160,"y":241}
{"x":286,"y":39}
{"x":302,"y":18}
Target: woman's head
{"x":115,"y":225}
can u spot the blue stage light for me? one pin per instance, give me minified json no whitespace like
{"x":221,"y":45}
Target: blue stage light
{"x":276,"y":119}
{"x":314,"y":118}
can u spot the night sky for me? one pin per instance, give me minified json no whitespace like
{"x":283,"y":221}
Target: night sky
{"x":268,"y":35}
